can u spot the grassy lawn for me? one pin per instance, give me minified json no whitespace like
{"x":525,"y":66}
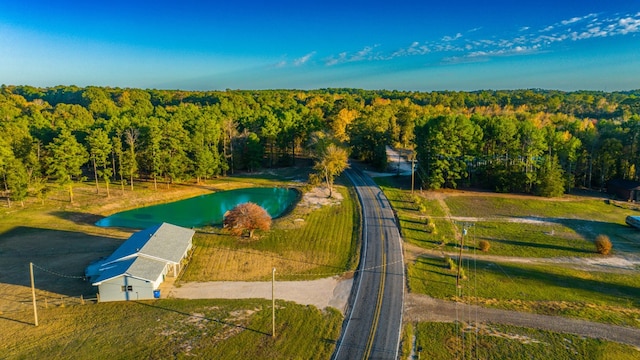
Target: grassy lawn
{"x":415,"y":213}
{"x":451,"y":341}
{"x":515,"y":225}
{"x":545,"y":289}
{"x":532,"y":207}
{"x":303,"y":245}
{"x":60,"y":237}
{"x":173,"y":329}
{"x":529,"y":240}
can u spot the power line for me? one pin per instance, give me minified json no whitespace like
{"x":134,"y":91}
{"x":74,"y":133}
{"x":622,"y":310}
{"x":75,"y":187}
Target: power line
{"x":58,"y":274}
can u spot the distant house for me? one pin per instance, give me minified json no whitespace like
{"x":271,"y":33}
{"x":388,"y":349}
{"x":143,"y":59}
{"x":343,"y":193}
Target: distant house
{"x":625,"y":190}
{"x":136,"y":269}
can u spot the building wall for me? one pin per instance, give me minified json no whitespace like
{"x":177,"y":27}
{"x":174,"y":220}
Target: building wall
{"x":135,"y":289}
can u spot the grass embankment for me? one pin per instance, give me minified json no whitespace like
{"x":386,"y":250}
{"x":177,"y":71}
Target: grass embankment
{"x":164,"y":329}
{"x":449,"y":341}
{"x":544,"y":289}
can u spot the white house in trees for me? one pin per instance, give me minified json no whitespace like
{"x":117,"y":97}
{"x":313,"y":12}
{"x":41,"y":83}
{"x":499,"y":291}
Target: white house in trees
{"x":137,"y":268}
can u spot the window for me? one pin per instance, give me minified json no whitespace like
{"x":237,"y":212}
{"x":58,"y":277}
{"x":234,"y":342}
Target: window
{"x":126,"y":288}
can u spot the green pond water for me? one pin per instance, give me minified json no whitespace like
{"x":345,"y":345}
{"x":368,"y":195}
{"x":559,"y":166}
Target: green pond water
{"x":203,"y":210}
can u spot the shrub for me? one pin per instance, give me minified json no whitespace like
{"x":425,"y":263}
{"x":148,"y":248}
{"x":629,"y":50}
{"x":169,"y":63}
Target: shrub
{"x":603,"y":244}
{"x":430,"y":226}
{"x":451,"y":264}
{"x":484,"y":245}
{"x":247,"y":217}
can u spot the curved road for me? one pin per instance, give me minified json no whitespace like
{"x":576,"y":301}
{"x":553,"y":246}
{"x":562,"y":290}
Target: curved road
{"x":372,"y":327}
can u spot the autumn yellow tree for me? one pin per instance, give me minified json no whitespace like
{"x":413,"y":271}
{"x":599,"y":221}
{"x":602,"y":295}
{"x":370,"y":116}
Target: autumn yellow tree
{"x":331,"y":161}
{"x":343,"y":119}
{"x":247,"y":217}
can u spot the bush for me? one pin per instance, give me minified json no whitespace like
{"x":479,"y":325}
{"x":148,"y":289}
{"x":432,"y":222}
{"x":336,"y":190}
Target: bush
{"x":484,"y":245}
{"x":430,"y":226}
{"x":246,"y":217}
{"x":603,"y":244}
{"x":451,"y":265}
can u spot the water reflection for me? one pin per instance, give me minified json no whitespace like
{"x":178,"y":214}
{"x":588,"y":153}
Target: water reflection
{"x":203,"y":210}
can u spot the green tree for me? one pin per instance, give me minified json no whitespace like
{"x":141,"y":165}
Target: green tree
{"x":332,"y":161}
{"x":131,"y":137}
{"x":253,"y":152}
{"x":550,"y":179}
{"x":17,"y":181}
{"x":65,"y":160}
{"x":173,"y":150}
{"x":444,"y":144}
{"x":100,"y":149}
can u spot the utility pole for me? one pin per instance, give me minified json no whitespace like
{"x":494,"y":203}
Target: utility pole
{"x":33,"y":294}
{"x":273,"y":303}
{"x":413,"y":161}
{"x":464,"y":232}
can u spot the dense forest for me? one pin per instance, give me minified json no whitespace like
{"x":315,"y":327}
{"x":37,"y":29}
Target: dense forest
{"x":532,"y":141}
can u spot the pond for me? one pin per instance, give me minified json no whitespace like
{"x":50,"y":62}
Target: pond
{"x":203,"y":210}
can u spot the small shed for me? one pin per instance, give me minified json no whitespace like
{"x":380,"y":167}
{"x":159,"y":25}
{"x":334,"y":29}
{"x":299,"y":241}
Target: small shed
{"x":624,"y":190}
{"x":136,"y":269}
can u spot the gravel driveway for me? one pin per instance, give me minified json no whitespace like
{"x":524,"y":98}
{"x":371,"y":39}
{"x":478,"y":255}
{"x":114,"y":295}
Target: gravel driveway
{"x":321,"y":293}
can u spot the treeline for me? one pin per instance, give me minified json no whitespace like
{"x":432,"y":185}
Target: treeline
{"x":525,"y":141}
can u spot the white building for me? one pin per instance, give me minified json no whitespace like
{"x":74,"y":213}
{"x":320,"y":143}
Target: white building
{"x":137,"y":268}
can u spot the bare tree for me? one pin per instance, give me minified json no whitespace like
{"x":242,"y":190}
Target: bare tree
{"x":247,"y":217}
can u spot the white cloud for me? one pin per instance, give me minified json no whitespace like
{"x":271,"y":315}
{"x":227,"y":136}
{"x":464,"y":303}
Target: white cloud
{"x":452,"y":38}
{"x":629,"y":25}
{"x":525,"y":41}
{"x":366,"y":53}
{"x":570,"y":21}
{"x":303,"y":60}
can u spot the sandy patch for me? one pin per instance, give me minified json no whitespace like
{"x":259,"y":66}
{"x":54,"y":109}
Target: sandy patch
{"x":321,"y":293}
{"x":319,"y":196}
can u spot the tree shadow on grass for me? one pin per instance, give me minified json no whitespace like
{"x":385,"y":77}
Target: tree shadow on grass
{"x":541,"y":246}
{"x":549,"y":279}
{"x":78,"y":218}
{"x":59,"y":258}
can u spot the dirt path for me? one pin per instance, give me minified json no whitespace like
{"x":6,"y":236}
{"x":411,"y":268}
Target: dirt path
{"x":616,"y":263}
{"x":321,"y":293}
{"x":425,"y":308}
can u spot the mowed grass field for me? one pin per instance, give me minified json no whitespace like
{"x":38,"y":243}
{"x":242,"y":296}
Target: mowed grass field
{"x":491,"y":341}
{"x":309,"y":243}
{"x":541,"y":257}
{"x":168,"y":329}
{"x":61,"y":240}
{"x":549,"y":289}
{"x":514,"y":225}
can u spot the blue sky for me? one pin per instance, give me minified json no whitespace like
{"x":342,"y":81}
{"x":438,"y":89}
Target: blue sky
{"x":403,"y":45}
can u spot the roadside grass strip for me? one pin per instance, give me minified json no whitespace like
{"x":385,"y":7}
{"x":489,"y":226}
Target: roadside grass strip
{"x":548,"y":289}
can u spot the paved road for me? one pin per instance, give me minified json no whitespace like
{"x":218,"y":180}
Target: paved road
{"x":372,"y":327}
